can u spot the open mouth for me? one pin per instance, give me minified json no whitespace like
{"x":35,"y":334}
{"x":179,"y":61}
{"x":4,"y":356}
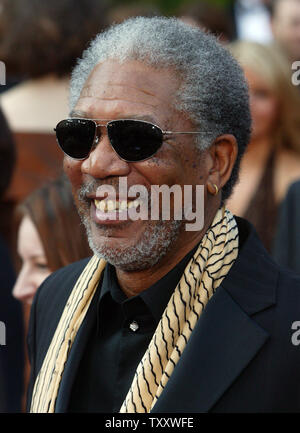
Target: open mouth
{"x":116,"y":205}
{"x":108,"y":211}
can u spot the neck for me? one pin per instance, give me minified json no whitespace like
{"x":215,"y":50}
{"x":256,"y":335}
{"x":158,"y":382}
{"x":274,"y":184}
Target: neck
{"x":134,"y":282}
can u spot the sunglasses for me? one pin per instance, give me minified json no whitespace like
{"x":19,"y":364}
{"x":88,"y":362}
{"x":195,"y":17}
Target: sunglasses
{"x":132,"y":140}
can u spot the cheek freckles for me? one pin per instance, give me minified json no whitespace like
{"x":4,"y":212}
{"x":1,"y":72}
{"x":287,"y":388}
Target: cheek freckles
{"x":72,"y":169}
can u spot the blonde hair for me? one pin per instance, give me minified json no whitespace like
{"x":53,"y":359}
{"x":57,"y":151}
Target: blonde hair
{"x":271,"y":65}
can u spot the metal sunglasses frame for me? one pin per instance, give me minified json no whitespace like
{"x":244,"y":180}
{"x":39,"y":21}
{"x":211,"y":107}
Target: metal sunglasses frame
{"x":108,"y":121}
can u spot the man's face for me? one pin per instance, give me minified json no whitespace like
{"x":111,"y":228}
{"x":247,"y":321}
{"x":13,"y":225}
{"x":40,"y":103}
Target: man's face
{"x":133,"y":90}
{"x":286,"y":27}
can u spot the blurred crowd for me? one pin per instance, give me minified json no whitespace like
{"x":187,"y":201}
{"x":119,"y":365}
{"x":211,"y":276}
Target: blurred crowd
{"x":40,"y":230}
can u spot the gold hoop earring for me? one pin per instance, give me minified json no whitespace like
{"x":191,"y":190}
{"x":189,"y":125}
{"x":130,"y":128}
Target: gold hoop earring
{"x":212,"y":186}
{"x":216,"y":189}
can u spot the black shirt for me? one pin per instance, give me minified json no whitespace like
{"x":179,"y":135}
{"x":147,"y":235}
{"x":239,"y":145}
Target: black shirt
{"x":123,"y":328}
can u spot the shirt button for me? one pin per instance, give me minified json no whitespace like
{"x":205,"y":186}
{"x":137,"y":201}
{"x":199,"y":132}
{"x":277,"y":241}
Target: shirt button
{"x":134,"y":326}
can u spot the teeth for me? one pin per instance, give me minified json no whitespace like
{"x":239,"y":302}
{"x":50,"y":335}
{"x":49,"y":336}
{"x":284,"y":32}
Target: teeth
{"x":111,"y":205}
{"x":102,"y":205}
{"x":123,"y":205}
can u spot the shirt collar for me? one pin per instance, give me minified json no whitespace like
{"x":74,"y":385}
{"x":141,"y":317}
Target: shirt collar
{"x":156,"y":297}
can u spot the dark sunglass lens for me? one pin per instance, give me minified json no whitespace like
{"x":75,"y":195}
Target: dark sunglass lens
{"x":134,"y":140}
{"x":76,"y":137}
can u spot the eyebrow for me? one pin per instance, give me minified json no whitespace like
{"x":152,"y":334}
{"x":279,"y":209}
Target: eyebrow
{"x":77,"y":113}
{"x":33,"y":257}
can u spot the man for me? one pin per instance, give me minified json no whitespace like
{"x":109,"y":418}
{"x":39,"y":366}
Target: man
{"x":164,"y":317}
{"x":285,"y":20}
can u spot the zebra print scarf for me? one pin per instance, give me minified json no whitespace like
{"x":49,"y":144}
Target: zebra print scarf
{"x":211,"y":262}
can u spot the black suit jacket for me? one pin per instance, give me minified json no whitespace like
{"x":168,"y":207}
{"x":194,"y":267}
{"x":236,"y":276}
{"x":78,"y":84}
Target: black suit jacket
{"x":288,"y":230}
{"x":240,"y":356}
{"x":12,"y":353}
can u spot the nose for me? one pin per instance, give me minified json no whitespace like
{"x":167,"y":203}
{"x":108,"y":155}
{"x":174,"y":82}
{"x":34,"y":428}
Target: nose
{"x":24,"y":288}
{"x":103,"y":161}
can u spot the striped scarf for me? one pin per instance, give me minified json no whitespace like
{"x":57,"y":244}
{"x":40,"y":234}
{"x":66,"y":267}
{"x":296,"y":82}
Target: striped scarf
{"x":204,"y":273}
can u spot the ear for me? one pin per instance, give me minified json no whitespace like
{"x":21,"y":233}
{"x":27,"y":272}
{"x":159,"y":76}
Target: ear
{"x":223,"y":154}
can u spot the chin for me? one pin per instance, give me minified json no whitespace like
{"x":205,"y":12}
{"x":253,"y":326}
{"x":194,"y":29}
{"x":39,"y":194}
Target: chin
{"x":136,"y":254}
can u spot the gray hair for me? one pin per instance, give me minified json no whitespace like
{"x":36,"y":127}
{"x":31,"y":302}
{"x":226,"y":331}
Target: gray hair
{"x":213,"y":91}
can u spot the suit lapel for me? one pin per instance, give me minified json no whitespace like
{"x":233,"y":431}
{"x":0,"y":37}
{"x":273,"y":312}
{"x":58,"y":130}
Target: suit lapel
{"x":223,"y":342}
{"x":76,"y":354}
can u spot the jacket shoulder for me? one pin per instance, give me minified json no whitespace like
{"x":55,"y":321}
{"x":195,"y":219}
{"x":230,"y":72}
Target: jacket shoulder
{"x":288,"y":289}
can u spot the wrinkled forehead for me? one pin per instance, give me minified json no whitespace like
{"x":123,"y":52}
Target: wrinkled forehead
{"x":114,"y":89}
{"x":132,"y":79}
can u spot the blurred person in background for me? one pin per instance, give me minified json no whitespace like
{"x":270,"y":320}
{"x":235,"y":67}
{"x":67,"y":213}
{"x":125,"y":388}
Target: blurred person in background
{"x":39,"y":43}
{"x":251,"y":20}
{"x":286,"y":26}
{"x":50,"y":236}
{"x":272,"y":160}
{"x":209,"y":17}
{"x":12,"y":353}
{"x":122,"y":11}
